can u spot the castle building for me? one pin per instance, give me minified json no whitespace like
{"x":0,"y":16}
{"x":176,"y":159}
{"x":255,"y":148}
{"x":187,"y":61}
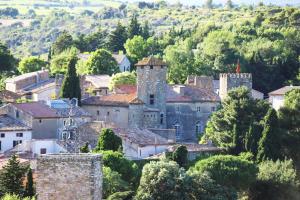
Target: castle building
{"x":156,"y":105}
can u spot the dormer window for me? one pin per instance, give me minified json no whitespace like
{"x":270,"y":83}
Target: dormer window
{"x":151,"y":66}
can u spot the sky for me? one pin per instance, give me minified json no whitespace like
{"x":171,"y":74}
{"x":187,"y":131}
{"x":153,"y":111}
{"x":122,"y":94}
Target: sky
{"x":200,"y":2}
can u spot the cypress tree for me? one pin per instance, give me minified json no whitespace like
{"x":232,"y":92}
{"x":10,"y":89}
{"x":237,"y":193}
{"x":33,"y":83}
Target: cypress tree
{"x":252,"y":137}
{"x":117,"y":38}
{"x":146,"y":30}
{"x":269,"y":146}
{"x":12,"y":176}
{"x":29,"y":188}
{"x":134,"y":27}
{"x":71,"y":84}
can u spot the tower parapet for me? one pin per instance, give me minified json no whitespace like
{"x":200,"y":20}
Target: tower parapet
{"x":229,"y":81}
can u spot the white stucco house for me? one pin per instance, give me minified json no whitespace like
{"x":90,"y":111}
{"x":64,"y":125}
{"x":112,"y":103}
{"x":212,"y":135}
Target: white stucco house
{"x":276,"y":98}
{"x":123,"y":62}
{"x":12,"y":133}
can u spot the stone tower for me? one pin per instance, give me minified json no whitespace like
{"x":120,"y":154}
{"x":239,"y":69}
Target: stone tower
{"x":233,"y":80}
{"x":151,"y":89}
{"x":69,"y":177}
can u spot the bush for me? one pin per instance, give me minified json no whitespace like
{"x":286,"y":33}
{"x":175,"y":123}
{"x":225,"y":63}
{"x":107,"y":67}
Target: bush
{"x":127,"y":195}
{"x":108,"y":140}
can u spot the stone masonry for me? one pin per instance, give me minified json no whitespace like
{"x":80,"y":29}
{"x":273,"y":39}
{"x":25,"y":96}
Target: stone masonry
{"x":69,"y":177}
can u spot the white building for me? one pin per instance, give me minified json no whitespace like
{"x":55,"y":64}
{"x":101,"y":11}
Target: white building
{"x":12,"y":133}
{"x":123,"y":62}
{"x":276,"y":98}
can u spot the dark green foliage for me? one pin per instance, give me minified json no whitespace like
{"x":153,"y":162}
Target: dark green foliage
{"x":229,"y":126}
{"x":7,"y":60}
{"x":127,"y":195}
{"x":108,"y":140}
{"x":117,"y":38}
{"x":180,"y":156}
{"x":117,"y":162}
{"x":71,"y":84}
{"x":252,"y":137}
{"x":134,"y":27}
{"x":91,"y":42}
{"x":63,"y":41}
{"x":12,"y":176}
{"x":269,"y":143}
{"x":101,"y":62}
{"x":228,"y":170}
{"x":31,"y":64}
{"x":29,"y":188}
{"x":85,"y":148}
{"x":9,"y":12}
{"x":146,"y":30}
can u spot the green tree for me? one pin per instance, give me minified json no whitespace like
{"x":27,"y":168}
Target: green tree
{"x":71,"y":84}
{"x":134,"y":27}
{"x":85,"y":148}
{"x":127,"y":195}
{"x":7,"y":60}
{"x":112,"y":182}
{"x":229,"y":126}
{"x":12,"y":176}
{"x":31,"y":64}
{"x":268,"y":145}
{"x":117,"y":38}
{"x":145,"y":33}
{"x":123,"y":78}
{"x":180,"y":156}
{"x":136,"y":48}
{"x":63,"y":41}
{"x":59,"y":63}
{"x":252,"y":138}
{"x":208,"y":4}
{"x":162,"y":180}
{"x":229,"y":4}
{"x":108,"y":140}
{"x":232,"y":171}
{"x":101,"y":62}
{"x":29,"y":187}
{"x":94,"y":41}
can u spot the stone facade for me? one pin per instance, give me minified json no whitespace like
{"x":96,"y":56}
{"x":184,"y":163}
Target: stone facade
{"x":230,"y":81}
{"x":69,"y":177}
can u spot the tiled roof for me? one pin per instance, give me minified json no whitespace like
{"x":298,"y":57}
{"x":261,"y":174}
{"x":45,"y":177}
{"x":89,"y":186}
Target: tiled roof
{"x":283,"y":90}
{"x":24,"y":76}
{"x":151,"y":61}
{"x":40,"y":86}
{"x":36,"y":110}
{"x":8,"y":123}
{"x":98,"y":81}
{"x":110,"y":100}
{"x":8,"y":96}
{"x":125,"y":89}
{"x":119,"y":57}
{"x":190,"y":94}
{"x":142,"y":137}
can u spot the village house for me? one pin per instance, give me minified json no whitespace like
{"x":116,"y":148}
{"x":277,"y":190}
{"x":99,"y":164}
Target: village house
{"x":276,"y":98}
{"x":92,"y":85}
{"x":35,"y":86}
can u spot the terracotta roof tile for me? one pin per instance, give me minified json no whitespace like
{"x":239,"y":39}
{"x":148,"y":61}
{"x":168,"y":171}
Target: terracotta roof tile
{"x":125,"y":89}
{"x":36,"y":109}
{"x":151,"y":61}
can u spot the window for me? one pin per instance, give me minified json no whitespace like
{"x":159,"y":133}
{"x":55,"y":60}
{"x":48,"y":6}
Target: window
{"x":0,"y":146}
{"x":213,"y":109}
{"x":199,"y":109}
{"x":16,"y":142}
{"x":199,"y":128}
{"x":142,"y":67}
{"x":2,"y":135}
{"x":98,"y":112}
{"x":107,"y":113}
{"x":19,"y":134}
{"x":100,"y":91}
{"x":162,"y":66}
{"x":43,"y":150}
{"x":124,"y":68}
{"x":161,"y":118}
{"x":177,"y":130}
{"x":40,"y":121}
{"x":151,"y":66}
{"x":151,"y":99}
{"x":177,"y":108}
{"x":17,"y":114}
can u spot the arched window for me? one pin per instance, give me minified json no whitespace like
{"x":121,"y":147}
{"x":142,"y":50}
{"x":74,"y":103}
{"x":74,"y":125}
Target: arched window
{"x":199,"y":128}
{"x":161,"y":118}
{"x":177,"y":129}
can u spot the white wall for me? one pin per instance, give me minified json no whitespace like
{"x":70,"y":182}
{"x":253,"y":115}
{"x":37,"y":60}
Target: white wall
{"x":10,"y":136}
{"x":150,"y":150}
{"x":124,"y":64}
{"x":277,"y":101}
{"x":44,"y":95}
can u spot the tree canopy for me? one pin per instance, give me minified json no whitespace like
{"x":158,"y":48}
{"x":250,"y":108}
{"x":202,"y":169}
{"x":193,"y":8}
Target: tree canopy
{"x":31,"y":64}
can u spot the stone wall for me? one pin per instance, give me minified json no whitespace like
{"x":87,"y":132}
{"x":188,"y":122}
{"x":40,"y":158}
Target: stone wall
{"x":69,"y":177}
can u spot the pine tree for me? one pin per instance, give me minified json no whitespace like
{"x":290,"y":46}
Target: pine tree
{"x":117,"y":38}
{"x":12,"y":176}
{"x":71,"y":84}
{"x":29,"y":188}
{"x":134,"y":27}
{"x":269,"y":146}
{"x":146,"y":30}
